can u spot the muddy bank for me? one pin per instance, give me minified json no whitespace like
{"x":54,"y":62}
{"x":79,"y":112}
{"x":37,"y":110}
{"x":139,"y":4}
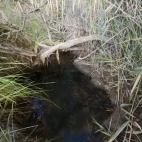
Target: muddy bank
{"x":118,"y":117}
{"x":74,"y":102}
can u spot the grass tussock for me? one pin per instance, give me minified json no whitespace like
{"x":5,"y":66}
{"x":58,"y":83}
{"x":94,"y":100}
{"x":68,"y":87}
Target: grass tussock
{"x":15,"y":91}
{"x":60,"y":20}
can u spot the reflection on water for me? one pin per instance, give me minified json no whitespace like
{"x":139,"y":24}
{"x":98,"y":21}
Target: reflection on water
{"x":79,"y":136}
{"x":77,"y":100}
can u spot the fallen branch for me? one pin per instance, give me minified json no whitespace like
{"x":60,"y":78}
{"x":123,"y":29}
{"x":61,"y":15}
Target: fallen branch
{"x":42,"y":48}
{"x":46,"y":51}
{"x":71,"y":43}
{"x":16,"y":51}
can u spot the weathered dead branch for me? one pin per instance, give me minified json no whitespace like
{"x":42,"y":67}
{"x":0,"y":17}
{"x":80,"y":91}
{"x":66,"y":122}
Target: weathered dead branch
{"x":42,"y":48}
{"x":45,"y":51}
{"x":71,"y":43}
{"x":16,"y":51}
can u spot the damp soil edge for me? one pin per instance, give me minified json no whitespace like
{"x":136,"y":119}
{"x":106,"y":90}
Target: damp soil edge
{"x":73,"y":92}
{"x":117,"y":118}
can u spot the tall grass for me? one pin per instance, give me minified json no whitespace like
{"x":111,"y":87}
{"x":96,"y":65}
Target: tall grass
{"x":60,"y":20}
{"x":123,"y":58}
{"x":15,"y":90}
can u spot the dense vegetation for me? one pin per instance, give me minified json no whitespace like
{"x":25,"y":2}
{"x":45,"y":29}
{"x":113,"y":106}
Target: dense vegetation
{"x":55,"y":21}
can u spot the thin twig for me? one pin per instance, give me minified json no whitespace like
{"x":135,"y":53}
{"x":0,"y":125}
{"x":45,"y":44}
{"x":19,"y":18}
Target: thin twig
{"x":20,"y":129}
{"x":30,"y":133}
{"x":26,"y":16}
{"x":12,"y":123}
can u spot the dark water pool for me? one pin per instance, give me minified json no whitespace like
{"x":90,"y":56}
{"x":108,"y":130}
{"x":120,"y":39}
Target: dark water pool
{"x":75,"y":101}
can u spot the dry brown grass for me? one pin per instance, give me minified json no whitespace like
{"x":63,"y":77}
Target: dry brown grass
{"x":61,"y":20}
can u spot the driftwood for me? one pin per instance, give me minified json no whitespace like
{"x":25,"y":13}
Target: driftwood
{"x":45,"y":51}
